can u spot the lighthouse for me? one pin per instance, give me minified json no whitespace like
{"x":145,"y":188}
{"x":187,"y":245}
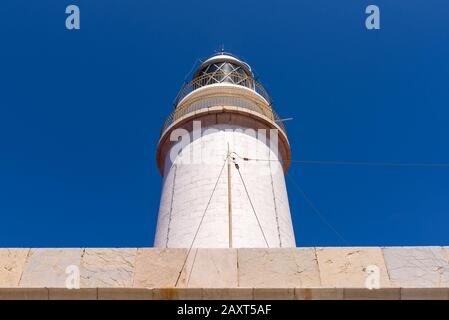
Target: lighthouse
{"x":223,"y":153}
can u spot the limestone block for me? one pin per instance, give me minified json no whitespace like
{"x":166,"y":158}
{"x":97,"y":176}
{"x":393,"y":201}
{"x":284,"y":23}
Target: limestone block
{"x":278,"y":268}
{"x":107,"y":267}
{"x":228,"y":294}
{"x":348,"y":267}
{"x":274,"y":293}
{"x":24,"y":294}
{"x":417,"y":267}
{"x":318,"y":293}
{"x":177,"y":294}
{"x":125,"y":294}
{"x":47,"y":267}
{"x":214,"y":268}
{"x":236,"y":274}
{"x":446,"y":251}
{"x":425,"y":294}
{"x":160,"y":268}
{"x":373,"y":294}
{"x":72,"y":294}
{"x":204,"y":268}
{"x":12,"y":262}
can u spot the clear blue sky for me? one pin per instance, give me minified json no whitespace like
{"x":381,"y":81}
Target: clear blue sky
{"x":80,"y":113}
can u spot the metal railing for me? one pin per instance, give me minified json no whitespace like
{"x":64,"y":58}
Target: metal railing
{"x":222,"y":77}
{"x":224,"y":101}
{"x":279,"y":121}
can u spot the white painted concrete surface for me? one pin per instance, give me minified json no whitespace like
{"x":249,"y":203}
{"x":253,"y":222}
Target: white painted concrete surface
{"x":187,"y":188}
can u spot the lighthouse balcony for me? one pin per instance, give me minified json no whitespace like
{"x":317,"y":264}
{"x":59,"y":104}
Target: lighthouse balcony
{"x":223,"y":77}
{"x":225,"y":91}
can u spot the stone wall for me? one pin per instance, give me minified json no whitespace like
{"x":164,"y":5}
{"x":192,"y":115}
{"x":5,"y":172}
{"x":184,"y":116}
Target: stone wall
{"x":283,"y":273}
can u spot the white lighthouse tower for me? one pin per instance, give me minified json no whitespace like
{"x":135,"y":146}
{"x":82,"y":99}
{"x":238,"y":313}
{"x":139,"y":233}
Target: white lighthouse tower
{"x":222,"y":154}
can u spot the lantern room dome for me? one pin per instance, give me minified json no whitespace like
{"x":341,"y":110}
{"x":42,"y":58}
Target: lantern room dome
{"x":224,"y":58}
{"x":223,"y":68}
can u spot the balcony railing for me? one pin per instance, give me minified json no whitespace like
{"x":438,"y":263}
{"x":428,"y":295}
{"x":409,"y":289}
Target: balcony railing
{"x":221,"y":77}
{"x":224,"y":101}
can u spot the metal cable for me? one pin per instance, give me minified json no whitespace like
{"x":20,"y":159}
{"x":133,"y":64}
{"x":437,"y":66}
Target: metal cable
{"x":306,"y":198}
{"x":201,"y":221}
{"x":171,"y":205}
{"x":251,"y":203}
{"x":315,"y":209}
{"x":354,"y":163}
